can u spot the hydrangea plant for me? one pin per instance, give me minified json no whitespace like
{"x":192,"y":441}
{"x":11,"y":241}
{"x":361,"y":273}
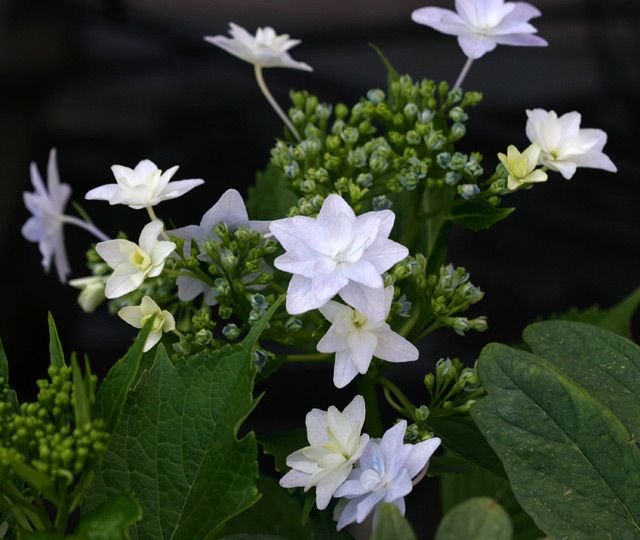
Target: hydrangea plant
{"x":339,"y":255}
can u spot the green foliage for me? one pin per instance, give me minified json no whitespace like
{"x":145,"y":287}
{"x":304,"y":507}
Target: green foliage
{"x":109,"y":521}
{"x":479,"y":518}
{"x":572,"y":464}
{"x":175,"y":444}
{"x":282,"y":443}
{"x":270,"y":198}
{"x":392,"y":525}
{"x":276,"y":513}
{"x":55,"y":347}
{"x":477,"y":217}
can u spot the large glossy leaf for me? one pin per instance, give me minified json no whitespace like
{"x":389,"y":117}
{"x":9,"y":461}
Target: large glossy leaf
{"x":572,"y":464}
{"x":479,"y":518}
{"x":175,"y":445}
{"x":603,"y":363}
{"x":392,"y":525}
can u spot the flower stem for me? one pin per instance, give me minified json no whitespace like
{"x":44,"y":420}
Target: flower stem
{"x":154,"y":217}
{"x":463,"y":73}
{"x":306,"y":357}
{"x":263,"y":87}
{"x":407,"y":408}
{"x":89,"y":227}
{"x":367,"y":387}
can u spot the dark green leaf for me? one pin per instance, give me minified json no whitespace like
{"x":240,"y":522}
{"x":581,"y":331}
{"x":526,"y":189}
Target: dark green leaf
{"x":480,"y":518}
{"x":282,"y":443}
{"x":55,"y":348}
{"x":324,"y":528}
{"x":603,"y":363}
{"x":80,"y":399}
{"x":392,"y":72}
{"x":115,"y":387}
{"x":176,"y":444}
{"x":40,"y":481}
{"x":461,"y":436}
{"x":276,"y":513}
{"x":111,"y":520}
{"x":572,"y":464}
{"x":392,"y":525}
{"x":270,"y":197}
{"x":4,"y":364}
{"x":477,"y":216}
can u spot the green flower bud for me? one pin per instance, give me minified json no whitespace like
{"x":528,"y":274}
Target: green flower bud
{"x":376,"y":96}
{"x":410,"y":111}
{"x":435,"y":140}
{"x":364,"y":180}
{"x":422,"y":413}
{"x":292,"y":170}
{"x":341,"y":110}
{"x":458,"y":131}
{"x":350,"y":135}
{"x":297,"y":116}
{"x":428,"y":382}
{"x":231,"y":332}
{"x":457,"y":114}
{"x":293,"y":325}
{"x":221,"y":231}
{"x":333,"y":142}
{"x":225,"y":312}
{"x":381,"y":202}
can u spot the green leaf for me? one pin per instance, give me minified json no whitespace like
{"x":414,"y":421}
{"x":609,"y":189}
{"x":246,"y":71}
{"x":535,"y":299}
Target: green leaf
{"x":40,"y":481}
{"x":616,"y":319}
{"x":392,"y":525}
{"x":4,"y":364}
{"x":276,"y":513}
{"x":55,"y":348}
{"x":461,"y":436}
{"x":115,"y":387}
{"x":603,"y":363}
{"x":282,"y":443}
{"x":457,"y":488}
{"x":80,"y":399}
{"x":480,"y":518}
{"x":573,"y":466}
{"x":477,"y":216}
{"x":392,"y":72}
{"x":176,"y":445}
{"x":270,"y":197}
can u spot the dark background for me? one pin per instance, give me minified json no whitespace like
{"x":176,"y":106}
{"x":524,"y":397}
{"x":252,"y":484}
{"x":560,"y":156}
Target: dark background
{"x":121,"y":80}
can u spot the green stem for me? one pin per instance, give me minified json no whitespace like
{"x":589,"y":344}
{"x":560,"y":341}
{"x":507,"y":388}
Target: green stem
{"x":306,"y":357}
{"x":154,"y":217}
{"x":274,"y":104}
{"x":367,"y":388}
{"x":408,"y":408}
{"x":60,"y":524}
{"x":411,"y":322}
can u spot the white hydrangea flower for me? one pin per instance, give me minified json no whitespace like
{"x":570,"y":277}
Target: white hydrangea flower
{"x":522,"y":166}
{"x":384,"y":473}
{"x":356,"y":340}
{"x":338,"y":253}
{"x":132,"y":263}
{"x":143,"y":186}
{"x":565,"y":146}
{"x":229,"y":209}
{"x":137,"y":316}
{"x":335,"y":445}
{"x":91,"y":291}
{"x":266,"y":49}
{"x":45,"y":226}
{"x":482,"y":25}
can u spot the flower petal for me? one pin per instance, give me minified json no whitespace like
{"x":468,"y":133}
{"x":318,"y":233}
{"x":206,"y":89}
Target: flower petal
{"x":102,"y":193}
{"x":149,"y":236}
{"x":178,"y":188}
{"x":420,"y":454}
{"x":316,"y":422}
{"x":442,"y":20}
{"x":370,"y":302}
{"x":125,"y":278}
{"x":393,"y":347}
{"x":229,"y":209}
{"x":361,"y":346}
{"x":344,"y":370}
{"x":115,"y":252}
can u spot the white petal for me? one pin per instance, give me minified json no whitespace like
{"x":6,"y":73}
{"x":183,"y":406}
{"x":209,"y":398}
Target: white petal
{"x":332,"y":207}
{"x":131,"y":315}
{"x":229,"y":209}
{"x":475,"y":46}
{"x":361,"y":346}
{"x":399,"y":488}
{"x":62,"y":262}
{"x":367,"y":504}
{"x":442,"y":20}
{"x":384,"y":253}
{"x":420,"y":454}
{"x":334,"y":310}
{"x":521,"y":40}
{"x":327,"y":486}
{"x":344,"y":370}
{"x":316,"y":422}
{"x":302,"y":296}
{"x":161,"y":251}
{"x":294,"y":479}
{"x":32,"y":229}
{"x":178,"y":188}
{"x":356,"y":410}
{"x":333,"y":341}
{"x":369,"y":302}
{"x":233,"y":47}
{"x":115,"y":252}
{"x":364,"y":273}
{"x":345,"y":513}
{"x":125,"y":278}
{"x":189,"y":287}
{"x":153,"y":338}
{"x":393,"y":347}
{"x":103,"y":193}
{"x":149,"y":236}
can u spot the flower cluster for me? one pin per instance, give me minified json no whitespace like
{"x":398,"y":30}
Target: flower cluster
{"x":340,"y":462}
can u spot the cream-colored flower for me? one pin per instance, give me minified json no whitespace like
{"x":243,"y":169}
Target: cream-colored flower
{"x":91,"y":291}
{"x":522,"y":167}
{"x":137,"y":316}
{"x":133,"y":263}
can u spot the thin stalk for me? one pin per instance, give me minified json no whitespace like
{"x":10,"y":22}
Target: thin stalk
{"x":154,"y":217}
{"x":306,"y":357}
{"x":391,"y":401}
{"x":405,"y":402}
{"x":463,"y":73}
{"x":274,"y":104}
{"x":89,"y":227}
{"x":62,"y":516}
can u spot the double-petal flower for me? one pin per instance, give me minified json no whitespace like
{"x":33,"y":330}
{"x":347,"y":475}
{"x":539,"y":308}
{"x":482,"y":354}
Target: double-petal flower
{"x":338,"y":253}
{"x":137,"y":316}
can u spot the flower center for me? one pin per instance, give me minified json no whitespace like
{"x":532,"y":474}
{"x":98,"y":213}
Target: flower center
{"x":140,"y":259}
{"x":359,"y":320}
{"x":157,"y":323}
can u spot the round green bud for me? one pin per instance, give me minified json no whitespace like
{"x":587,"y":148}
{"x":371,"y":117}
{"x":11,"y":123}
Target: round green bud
{"x":341,"y":110}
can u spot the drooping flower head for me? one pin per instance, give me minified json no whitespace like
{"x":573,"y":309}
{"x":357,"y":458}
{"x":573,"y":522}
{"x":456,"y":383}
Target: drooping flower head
{"x":91,"y":291}
{"x":45,"y":226}
{"x":565,"y":146}
{"x":266,"y":49}
{"x":137,"y":316}
{"x":132,"y":263}
{"x":143,"y":186}
{"x":335,"y":444}
{"x":522,"y":167}
{"x":230,"y":210}
{"x":356,"y":340}
{"x":482,"y":25}
{"x":384,"y":473}
{"x":338,"y":253}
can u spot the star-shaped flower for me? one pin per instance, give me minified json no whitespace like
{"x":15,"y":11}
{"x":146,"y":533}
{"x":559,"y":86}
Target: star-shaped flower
{"x":137,"y":316}
{"x":356,"y":340}
{"x":230,"y":210}
{"x":132,"y":263}
{"x":338,"y":253}
{"x":45,"y":226}
{"x":481,"y":25}
{"x":522,"y":167}
{"x":335,"y":445}
{"x":266,"y":49}
{"x":384,"y":473}
{"x":143,"y":186}
{"x":565,"y":146}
